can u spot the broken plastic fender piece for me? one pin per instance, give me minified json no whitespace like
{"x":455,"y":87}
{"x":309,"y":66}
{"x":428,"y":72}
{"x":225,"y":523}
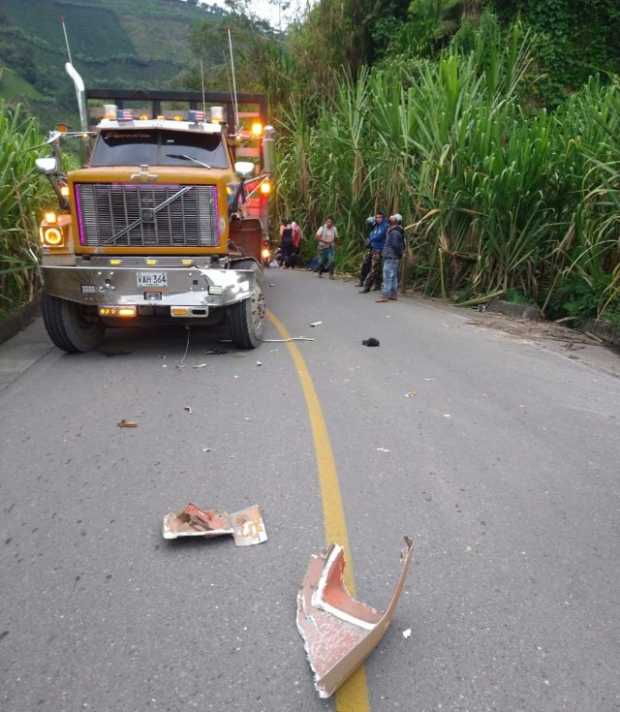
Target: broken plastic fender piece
{"x":246,"y":527}
{"x":339,"y":632}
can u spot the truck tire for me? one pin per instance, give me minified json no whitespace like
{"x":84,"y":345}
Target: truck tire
{"x":67,"y":327}
{"x":247,"y":320}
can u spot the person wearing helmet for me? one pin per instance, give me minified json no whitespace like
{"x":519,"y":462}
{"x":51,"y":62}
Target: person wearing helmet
{"x":393,"y":251}
{"x":376,"y":240}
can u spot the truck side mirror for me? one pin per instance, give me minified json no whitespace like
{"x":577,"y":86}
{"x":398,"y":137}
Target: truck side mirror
{"x":244,"y":168}
{"x":48,"y":166}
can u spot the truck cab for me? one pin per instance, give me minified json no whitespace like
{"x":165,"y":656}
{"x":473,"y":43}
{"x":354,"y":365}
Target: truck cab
{"x":161,"y":223}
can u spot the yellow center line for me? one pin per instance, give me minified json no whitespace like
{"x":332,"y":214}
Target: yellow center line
{"x":353,"y":695}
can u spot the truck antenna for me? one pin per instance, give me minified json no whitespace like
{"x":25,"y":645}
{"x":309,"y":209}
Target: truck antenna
{"x":234,"y":80}
{"x":64,"y":29}
{"x":202,"y":82}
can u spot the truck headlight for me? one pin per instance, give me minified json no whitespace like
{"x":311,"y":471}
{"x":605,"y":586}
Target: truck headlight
{"x":52,"y":236}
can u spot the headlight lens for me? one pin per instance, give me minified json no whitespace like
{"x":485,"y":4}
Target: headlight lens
{"x":52,"y":236}
{"x":265,"y":253}
{"x":265,"y":187}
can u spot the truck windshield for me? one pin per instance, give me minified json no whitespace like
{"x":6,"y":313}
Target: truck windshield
{"x":158,"y":148}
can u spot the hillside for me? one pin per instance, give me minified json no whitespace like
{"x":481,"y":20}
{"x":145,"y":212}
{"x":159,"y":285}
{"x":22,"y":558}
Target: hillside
{"x":131,"y":43}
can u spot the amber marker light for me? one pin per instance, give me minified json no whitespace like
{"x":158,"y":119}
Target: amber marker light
{"x":265,"y":187}
{"x":64,"y":191}
{"x":50,"y":216}
{"x":257,"y":129}
{"x":125,"y":312}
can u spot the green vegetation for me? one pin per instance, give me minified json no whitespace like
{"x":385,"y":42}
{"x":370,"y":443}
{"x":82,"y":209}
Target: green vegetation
{"x":496,"y":136}
{"x":22,"y":196}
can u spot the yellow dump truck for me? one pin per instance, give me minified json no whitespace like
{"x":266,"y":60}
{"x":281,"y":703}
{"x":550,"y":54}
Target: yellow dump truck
{"x":162,"y":221}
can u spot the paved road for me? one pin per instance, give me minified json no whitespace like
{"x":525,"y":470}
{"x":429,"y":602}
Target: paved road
{"x":504,"y":467}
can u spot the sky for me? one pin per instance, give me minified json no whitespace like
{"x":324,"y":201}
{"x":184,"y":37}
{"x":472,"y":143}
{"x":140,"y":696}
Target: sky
{"x":269,"y":11}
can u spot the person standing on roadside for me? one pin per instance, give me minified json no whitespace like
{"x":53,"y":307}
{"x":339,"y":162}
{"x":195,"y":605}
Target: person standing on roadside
{"x":393,"y":251}
{"x":286,"y":243}
{"x":377,"y":241}
{"x":326,"y":237}
{"x":297,"y":238}
{"x":365,"y":268}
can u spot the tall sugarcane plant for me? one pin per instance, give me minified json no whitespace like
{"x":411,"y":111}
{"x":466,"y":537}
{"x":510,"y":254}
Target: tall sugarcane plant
{"x":497,"y":199}
{"x":22,"y":196}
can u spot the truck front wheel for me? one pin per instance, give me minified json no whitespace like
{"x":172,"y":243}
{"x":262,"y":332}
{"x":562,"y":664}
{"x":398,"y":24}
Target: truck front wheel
{"x":247,"y":320}
{"x":69,"y":327}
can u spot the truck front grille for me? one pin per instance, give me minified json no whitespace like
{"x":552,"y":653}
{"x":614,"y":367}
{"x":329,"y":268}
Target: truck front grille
{"x":125,"y":215}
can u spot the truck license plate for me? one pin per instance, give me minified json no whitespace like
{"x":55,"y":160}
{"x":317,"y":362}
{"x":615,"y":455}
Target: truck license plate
{"x":152,"y":279}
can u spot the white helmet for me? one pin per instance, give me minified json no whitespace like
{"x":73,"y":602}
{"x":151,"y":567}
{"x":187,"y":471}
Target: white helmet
{"x":397,"y":217}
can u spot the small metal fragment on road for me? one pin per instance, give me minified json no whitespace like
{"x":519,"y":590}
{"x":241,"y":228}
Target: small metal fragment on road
{"x":124,"y":423}
{"x":259,"y":363}
{"x":447,"y":415}
{"x":199,"y":365}
{"x":382,"y":449}
{"x":286,"y":341}
{"x":246,"y":526}
{"x":407,"y":633}
{"x":339,"y":632}
{"x":206,"y":449}
{"x":410,"y":394}
{"x":188,"y":409}
{"x":371,"y":342}
{"x":315,"y":323}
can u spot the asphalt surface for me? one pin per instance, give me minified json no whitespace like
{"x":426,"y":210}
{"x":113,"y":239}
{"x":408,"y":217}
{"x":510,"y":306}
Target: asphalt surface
{"x":504,"y":465}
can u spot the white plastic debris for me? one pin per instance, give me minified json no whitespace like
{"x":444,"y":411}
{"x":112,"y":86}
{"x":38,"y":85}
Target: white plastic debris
{"x":410,"y":394}
{"x":188,"y":409}
{"x":407,"y":633}
{"x":315,"y":323}
{"x":259,"y":363}
{"x":199,"y":365}
{"x":382,"y":449}
{"x":447,"y":415}
{"x":206,"y":449}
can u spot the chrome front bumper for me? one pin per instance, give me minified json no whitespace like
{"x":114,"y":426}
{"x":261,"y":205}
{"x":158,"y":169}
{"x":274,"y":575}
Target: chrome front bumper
{"x":187,"y":286}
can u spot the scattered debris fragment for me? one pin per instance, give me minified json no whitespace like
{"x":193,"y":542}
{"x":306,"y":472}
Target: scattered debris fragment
{"x":428,"y":380}
{"x":124,"y":423}
{"x":164,"y":365}
{"x":259,"y":363}
{"x":199,"y":365}
{"x":271,"y":284}
{"x":206,"y":449}
{"x":181,"y":363}
{"x":447,"y":415}
{"x":246,"y":526}
{"x":188,"y":409}
{"x":371,"y":342}
{"x":286,"y":341}
{"x":411,"y":394}
{"x":339,"y":632}
{"x":382,"y":449}
{"x":216,"y":352}
{"x":407,"y":633}
{"x":315,"y":323}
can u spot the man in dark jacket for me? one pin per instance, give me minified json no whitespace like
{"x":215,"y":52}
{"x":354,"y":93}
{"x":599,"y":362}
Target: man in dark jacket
{"x":376,"y":241}
{"x":393,"y":251}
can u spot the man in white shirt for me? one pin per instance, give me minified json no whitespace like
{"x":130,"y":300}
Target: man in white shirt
{"x":326,"y":237}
